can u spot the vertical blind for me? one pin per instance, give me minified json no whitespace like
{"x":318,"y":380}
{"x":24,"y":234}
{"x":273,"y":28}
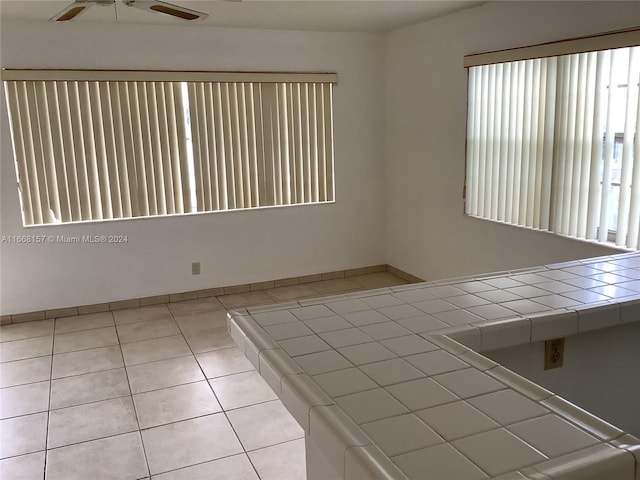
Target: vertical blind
{"x":261,"y":144}
{"x":107,"y":149}
{"x":552,"y":144}
{"x":98,"y":150}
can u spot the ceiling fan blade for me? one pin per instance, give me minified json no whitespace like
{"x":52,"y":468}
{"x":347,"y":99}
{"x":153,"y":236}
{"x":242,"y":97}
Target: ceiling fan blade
{"x":166,"y":8}
{"x":72,"y":11}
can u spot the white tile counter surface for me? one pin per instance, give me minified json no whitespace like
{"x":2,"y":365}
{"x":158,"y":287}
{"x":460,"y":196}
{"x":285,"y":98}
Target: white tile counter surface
{"x":389,"y":383}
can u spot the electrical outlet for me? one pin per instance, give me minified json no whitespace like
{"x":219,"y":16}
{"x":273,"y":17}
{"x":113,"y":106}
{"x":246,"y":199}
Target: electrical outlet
{"x":195,"y":268}
{"x":553,"y":353}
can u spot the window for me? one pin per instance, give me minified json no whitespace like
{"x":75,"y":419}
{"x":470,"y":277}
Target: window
{"x":97,"y":145}
{"x":552,"y":142}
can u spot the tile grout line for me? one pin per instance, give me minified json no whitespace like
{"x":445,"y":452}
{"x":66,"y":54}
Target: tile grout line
{"x":133,"y":404}
{"x":195,"y":464}
{"x":92,"y":401}
{"x":93,"y":439}
{"x":223,"y":411}
{"x":233,"y":455}
{"x":86,"y":373}
{"x":268,"y":446}
{"x":46,"y":438}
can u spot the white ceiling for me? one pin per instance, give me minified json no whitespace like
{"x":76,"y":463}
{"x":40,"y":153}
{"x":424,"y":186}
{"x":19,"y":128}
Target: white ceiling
{"x":327,"y":15}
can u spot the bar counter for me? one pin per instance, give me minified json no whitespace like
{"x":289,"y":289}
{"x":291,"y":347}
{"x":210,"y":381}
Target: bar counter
{"x":392,"y":383}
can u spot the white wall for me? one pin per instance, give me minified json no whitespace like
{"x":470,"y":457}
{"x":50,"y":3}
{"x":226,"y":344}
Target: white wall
{"x":233,"y":248}
{"x":599,"y":374}
{"x":406,"y":153}
{"x":427,"y":233}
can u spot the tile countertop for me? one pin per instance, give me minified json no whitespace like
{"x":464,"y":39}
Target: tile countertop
{"x":389,"y":383}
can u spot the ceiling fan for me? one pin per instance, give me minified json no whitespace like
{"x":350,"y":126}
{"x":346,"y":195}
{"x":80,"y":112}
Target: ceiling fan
{"x":78,"y":7}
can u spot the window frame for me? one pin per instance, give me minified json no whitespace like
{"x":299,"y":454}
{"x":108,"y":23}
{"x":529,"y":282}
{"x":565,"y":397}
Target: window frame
{"x":596,"y":43}
{"x":270,"y":81}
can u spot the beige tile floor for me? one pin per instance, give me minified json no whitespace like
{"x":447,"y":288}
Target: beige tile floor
{"x":158,"y":392}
